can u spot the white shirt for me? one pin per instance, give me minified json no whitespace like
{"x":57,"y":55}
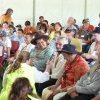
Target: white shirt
{"x":41,"y":77}
{"x":58,"y":66}
{"x":7,"y":43}
{"x":26,"y":47}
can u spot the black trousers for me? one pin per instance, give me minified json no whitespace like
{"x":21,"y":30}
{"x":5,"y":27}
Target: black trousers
{"x":80,"y":97}
{"x":41,"y":86}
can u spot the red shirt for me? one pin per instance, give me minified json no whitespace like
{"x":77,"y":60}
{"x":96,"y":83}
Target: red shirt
{"x":91,"y":28}
{"x":73,"y":71}
{"x":29,"y":30}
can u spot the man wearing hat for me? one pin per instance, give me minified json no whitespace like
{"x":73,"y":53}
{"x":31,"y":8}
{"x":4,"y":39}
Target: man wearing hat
{"x":88,"y":86}
{"x":85,"y":32}
{"x":74,"y":69}
{"x":86,"y":28}
{"x":56,"y":63}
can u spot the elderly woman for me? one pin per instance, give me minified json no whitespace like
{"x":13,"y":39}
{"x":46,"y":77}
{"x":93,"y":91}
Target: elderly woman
{"x":42,"y":52}
{"x":88,"y":85}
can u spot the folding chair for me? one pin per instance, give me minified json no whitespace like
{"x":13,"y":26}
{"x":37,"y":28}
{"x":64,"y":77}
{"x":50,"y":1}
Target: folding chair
{"x":14,"y":48}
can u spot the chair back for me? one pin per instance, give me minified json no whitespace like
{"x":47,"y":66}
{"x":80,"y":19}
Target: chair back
{"x":14,"y":48}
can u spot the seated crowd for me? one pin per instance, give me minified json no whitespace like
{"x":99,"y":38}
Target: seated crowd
{"x":50,"y":62}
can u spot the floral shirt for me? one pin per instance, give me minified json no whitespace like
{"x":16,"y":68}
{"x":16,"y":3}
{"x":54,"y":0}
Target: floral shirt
{"x":73,"y":71}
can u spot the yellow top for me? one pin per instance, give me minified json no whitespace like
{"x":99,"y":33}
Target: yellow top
{"x":4,"y":18}
{"x":8,"y":79}
{"x":77,"y":43}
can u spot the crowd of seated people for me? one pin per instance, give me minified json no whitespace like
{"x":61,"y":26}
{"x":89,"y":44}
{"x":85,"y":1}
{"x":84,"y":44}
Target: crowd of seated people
{"x":56,"y":62}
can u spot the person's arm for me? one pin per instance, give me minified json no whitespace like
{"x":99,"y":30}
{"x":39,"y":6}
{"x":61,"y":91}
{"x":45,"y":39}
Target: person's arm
{"x":94,"y":57}
{"x":49,"y":66}
{"x":89,"y":89}
{"x":41,"y":77}
{"x":54,"y":87}
{"x":91,"y":56}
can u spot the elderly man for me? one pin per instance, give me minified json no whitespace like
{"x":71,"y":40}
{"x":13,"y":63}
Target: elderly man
{"x":70,"y":24}
{"x":57,"y":66}
{"x":74,"y":69}
{"x":88,"y":85}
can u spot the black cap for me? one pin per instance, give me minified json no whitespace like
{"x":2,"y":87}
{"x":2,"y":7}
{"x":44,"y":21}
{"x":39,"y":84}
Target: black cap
{"x":69,"y":48}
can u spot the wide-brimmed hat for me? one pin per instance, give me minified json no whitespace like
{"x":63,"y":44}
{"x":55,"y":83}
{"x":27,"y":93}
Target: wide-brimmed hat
{"x":68,"y":48}
{"x":97,"y":30}
{"x":3,"y":34}
{"x":45,"y":37}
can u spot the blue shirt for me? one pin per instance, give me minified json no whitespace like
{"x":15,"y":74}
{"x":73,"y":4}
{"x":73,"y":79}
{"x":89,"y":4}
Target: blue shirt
{"x":40,"y":58}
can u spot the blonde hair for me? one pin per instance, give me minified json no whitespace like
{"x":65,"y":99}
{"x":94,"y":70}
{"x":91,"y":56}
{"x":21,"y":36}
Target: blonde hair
{"x":22,"y":58}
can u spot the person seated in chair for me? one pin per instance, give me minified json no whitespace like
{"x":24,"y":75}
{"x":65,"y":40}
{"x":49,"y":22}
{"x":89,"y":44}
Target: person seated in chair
{"x":75,"y":67}
{"x":42,"y":52}
{"x":57,"y":63}
{"x":87,"y":87}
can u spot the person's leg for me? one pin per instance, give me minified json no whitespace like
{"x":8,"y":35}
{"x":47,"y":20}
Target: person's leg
{"x":46,"y":93}
{"x":65,"y":97}
{"x":41,"y":86}
{"x":83,"y":97}
{"x":59,"y":95}
{"x":85,"y":48}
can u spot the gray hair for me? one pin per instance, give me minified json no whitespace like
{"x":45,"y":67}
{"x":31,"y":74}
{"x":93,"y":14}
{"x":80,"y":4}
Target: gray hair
{"x":64,"y":39}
